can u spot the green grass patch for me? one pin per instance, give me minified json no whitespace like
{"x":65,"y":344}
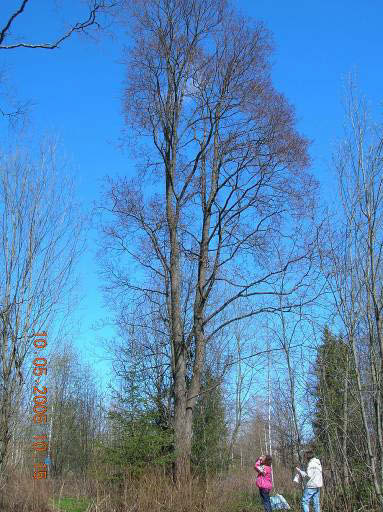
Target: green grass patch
{"x":71,"y":504}
{"x":245,"y":502}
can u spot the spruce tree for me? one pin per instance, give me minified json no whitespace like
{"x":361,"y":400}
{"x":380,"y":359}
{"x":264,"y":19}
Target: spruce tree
{"x":210,"y":447}
{"x":337,"y":422}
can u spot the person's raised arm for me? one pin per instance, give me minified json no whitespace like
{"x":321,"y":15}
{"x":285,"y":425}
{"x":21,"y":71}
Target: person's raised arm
{"x":258,"y":464}
{"x":302,"y":473}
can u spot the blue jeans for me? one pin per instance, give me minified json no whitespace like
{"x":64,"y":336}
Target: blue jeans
{"x":311,"y":494}
{"x":265,"y":495}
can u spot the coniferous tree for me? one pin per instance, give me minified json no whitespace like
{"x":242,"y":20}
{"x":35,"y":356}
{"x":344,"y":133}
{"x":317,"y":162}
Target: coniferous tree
{"x":141,"y":433}
{"x":210,"y":453}
{"x":337,"y":423}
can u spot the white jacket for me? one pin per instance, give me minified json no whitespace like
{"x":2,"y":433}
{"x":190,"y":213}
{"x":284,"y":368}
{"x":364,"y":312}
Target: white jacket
{"x":313,"y":475}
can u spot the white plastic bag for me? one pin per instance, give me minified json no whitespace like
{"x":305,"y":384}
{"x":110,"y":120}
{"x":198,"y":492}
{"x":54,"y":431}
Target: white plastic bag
{"x":278,"y":502}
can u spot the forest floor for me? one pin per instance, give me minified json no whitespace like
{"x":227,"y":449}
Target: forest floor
{"x":153,"y":492}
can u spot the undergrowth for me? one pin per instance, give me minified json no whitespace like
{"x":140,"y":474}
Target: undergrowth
{"x":152,"y":492}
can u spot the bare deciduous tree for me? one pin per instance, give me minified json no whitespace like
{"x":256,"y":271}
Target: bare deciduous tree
{"x":229,"y":168}
{"x":39,"y":236}
{"x":74,"y":415}
{"x":354,"y":268}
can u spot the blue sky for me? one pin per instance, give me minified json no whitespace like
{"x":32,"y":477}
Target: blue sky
{"x":77,"y":91}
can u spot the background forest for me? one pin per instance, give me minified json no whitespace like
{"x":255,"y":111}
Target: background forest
{"x":243,"y":302}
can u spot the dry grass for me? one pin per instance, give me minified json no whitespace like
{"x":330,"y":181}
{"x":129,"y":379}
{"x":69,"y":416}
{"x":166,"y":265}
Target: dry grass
{"x":153,"y":492}
{"x":20,"y":492}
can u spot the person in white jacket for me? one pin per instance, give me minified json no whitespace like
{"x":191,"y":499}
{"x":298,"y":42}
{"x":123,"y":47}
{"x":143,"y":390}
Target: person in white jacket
{"x":313,"y":481}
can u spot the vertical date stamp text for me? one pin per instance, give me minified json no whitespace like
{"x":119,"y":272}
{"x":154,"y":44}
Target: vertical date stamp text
{"x":40,"y":406}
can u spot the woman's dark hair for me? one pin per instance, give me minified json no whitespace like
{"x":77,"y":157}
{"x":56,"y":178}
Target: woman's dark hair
{"x":309,"y":454}
{"x":268,"y":460}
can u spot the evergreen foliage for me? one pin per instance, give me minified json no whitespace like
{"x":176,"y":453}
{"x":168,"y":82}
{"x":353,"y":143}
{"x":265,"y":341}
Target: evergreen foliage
{"x":141,"y":434}
{"x":210,"y":447}
{"x":337,"y":422}
{"x":138,"y":443}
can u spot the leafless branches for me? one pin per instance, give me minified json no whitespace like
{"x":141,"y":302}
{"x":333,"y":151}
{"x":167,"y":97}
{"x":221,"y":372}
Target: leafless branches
{"x":233,"y":182}
{"x":96,"y":7}
{"x":353,"y":263}
{"x":39,"y":239}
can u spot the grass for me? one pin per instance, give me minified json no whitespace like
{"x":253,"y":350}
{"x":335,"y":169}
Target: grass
{"x":71,"y":504}
{"x":245,"y":501}
{"x":154,"y":492}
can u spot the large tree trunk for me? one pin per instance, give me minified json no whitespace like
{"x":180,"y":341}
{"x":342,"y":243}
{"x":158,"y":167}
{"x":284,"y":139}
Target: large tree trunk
{"x":345,"y":425}
{"x":182,"y":425}
{"x":182,"y":418}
